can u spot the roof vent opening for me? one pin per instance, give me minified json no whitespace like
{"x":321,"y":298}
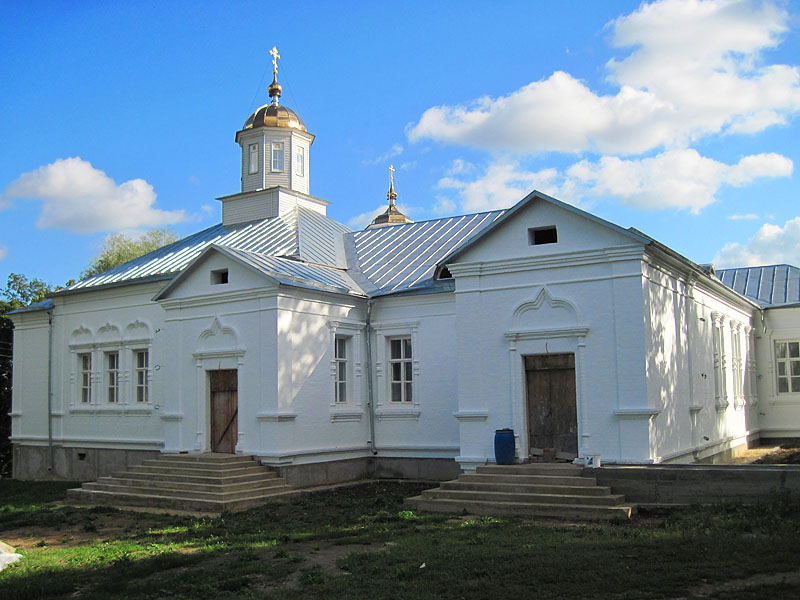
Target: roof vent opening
{"x":219,"y":276}
{"x":542,"y":235}
{"x":445,"y":273}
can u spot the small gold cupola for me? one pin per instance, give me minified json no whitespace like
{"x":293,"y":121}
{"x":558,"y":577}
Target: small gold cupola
{"x":391,"y":216}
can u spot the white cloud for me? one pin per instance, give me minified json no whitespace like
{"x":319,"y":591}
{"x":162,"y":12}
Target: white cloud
{"x":772,"y":244}
{"x":78,"y":197}
{"x":745,"y":217}
{"x":503,"y":185}
{"x":3,"y":252}
{"x":395,"y":150}
{"x":677,"y":179}
{"x":696,"y":69}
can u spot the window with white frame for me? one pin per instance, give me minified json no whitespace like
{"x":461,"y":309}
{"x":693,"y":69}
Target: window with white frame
{"x":277,"y":156}
{"x":112,"y":377}
{"x":300,"y":161}
{"x":401,"y":369}
{"x":142,"y":358}
{"x":787,"y":362}
{"x":253,"y":159}
{"x":85,"y":366}
{"x":340,"y":377}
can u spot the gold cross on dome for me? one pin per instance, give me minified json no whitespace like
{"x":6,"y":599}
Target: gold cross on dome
{"x":391,"y":174}
{"x":275,"y":57}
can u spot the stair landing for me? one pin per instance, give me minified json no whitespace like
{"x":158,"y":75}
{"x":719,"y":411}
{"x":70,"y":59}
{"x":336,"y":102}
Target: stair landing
{"x":555,"y":490}
{"x":208,"y":482}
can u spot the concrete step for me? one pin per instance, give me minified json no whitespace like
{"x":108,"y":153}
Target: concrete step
{"x":197,"y":470}
{"x":529,"y":479}
{"x":190,"y":486}
{"x":198,"y":478}
{"x":79,"y":495}
{"x":527,"y":498}
{"x":202,"y":482}
{"x":521,"y":509}
{"x":220,"y":495}
{"x":522,"y":488}
{"x":550,"y":469}
{"x":207,"y":457}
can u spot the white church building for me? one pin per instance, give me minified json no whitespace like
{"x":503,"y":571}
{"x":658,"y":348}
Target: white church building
{"x":281,"y":334}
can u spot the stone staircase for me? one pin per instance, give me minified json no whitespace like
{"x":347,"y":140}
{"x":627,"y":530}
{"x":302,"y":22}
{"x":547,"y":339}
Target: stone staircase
{"x":191,"y":482}
{"x":531,"y":490}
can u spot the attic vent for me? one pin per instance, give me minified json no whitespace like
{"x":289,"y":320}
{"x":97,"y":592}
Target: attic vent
{"x":445,"y":273}
{"x":542,"y":235}
{"x":219,"y":276}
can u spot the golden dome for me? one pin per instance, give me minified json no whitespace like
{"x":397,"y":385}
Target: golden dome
{"x":274,"y":115}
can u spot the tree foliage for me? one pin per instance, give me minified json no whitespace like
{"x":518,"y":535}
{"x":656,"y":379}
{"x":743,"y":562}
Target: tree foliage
{"x":119,"y":248}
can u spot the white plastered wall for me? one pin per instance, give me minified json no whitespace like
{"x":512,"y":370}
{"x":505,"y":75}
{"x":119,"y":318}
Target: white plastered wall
{"x":121,"y":320}
{"x":699,"y":405}
{"x":582,"y":295}
{"x":779,"y":413}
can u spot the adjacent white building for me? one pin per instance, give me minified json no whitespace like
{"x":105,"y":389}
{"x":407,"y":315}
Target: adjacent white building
{"x":282,"y":334}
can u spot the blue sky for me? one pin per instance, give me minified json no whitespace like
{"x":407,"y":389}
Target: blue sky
{"x":680,"y":118}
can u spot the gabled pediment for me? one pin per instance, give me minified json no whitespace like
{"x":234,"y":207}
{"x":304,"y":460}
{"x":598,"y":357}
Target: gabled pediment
{"x":542,"y":226}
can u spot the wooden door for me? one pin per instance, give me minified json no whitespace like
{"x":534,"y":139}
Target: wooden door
{"x":552,"y":405}
{"x":224,"y":410}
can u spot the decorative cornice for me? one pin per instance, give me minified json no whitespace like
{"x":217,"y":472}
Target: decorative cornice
{"x":633,"y":414}
{"x":398,"y":414}
{"x":471,"y":415}
{"x":275,"y":417}
{"x":541,"y":334}
{"x":566,"y":259}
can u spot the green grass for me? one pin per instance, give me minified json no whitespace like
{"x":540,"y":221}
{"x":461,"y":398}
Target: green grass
{"x":363,"y":543}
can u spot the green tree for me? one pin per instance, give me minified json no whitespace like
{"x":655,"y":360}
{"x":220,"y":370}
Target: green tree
{"x":119,"y":248}
{"x":19,"y":291}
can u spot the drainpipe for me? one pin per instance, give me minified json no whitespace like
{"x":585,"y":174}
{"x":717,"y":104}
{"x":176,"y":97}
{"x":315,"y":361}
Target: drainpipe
{"x":370,"y":385}
{"x":50,"y":390}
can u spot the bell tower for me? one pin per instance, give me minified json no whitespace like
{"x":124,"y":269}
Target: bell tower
{"x":275,"y":166}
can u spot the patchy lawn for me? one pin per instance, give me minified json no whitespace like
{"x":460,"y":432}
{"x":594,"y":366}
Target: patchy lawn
{"x":363,"y":543}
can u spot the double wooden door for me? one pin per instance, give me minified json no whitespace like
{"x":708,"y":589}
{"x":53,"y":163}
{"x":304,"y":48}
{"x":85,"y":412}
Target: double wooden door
{"x":552,"y":405}
{"x":224,"y":410}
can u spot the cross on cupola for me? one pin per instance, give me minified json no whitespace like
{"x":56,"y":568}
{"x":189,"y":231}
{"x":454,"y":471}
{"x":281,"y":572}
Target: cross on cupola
{"x":275,"y":88}
{"x":392,"y":216}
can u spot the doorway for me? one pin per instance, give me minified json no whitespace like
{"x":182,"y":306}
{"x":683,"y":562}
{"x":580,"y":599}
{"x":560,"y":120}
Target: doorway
{"x":223,"y":385}
{"x":552,"y":403}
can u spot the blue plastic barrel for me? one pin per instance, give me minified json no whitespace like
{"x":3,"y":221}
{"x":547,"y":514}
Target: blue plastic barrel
{"x":504,"y":446}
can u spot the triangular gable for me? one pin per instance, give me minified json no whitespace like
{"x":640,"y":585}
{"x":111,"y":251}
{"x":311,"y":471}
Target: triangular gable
{"x":273,"y":270}
{"x":519,"y":207}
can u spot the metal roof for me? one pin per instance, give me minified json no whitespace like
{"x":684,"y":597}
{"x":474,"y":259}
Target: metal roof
{"x":404,"y":257}
{"x":294,"y":272}
{"x":773,"y":285}
{"x":300,"y":233}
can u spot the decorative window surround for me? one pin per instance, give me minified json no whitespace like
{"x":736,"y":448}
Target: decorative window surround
{"x":103,"y":380}
{"x":752,"y":366}
{"x":384,"y":407}
{"x":787,"y":367}
{"x":720,"y":363}
{"x":351,"y":409}
{"x":738,"y":365}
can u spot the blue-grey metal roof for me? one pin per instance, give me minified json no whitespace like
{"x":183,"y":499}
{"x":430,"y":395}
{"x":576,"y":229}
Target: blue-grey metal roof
{"x":294,"y":272}
{"x":45,"y":304}
{"x":773,"y":285}
{"x":300,"y":233}
{"x":399,"y":258}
